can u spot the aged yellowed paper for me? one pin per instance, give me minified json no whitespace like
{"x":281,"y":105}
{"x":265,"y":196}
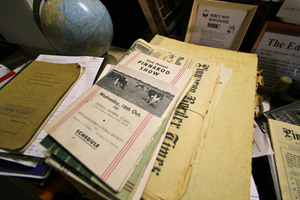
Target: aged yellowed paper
{"x":180,"y":143}
{"x":285,"y":140}
{"x":224,"y":168}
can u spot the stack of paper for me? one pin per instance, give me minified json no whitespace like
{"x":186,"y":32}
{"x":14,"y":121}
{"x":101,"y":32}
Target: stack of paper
{"x":106,"y":143}
{"x":221,"y":168}
{"x":25,"y":109}
{"x":171,"y":120}
{"x":113,"y":128}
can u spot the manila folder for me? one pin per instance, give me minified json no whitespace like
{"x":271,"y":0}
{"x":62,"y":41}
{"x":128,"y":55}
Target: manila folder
{"x":29,"y":98}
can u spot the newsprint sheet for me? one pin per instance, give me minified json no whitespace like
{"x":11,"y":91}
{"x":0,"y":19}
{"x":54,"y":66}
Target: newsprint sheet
{"x":228,"y":142}
{"x":286,"y":145}
{"x":183,"y":136}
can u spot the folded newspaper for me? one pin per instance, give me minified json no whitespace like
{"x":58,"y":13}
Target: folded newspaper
{"x":173,"y":165}
{"x":110,"y":126}
{"x":226,"y":144}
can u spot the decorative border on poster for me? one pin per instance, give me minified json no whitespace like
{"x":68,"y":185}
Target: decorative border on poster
{"x":226,"y":7}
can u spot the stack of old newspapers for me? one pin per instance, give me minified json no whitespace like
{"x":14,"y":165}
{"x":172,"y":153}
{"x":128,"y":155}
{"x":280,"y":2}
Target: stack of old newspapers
{"x":157,"y":123}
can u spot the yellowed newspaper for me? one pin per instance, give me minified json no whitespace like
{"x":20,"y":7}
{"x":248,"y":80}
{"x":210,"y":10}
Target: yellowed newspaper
{"x":285,"y":139}
{"x":183,"y":136}
{"x":223,"y":170}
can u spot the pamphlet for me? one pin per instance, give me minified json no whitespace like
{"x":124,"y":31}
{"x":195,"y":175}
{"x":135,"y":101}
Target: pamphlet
{"x":111,"y":125}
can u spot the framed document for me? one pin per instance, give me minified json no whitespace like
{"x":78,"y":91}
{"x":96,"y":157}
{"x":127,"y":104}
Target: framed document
{"x":219,"y":24}
{"x":278,"y":50}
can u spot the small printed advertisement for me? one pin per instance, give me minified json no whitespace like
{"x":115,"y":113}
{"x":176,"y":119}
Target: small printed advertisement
{"x":217,"y":27}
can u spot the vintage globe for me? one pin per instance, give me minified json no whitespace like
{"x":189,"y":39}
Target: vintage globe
{"x":77,"y":27}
